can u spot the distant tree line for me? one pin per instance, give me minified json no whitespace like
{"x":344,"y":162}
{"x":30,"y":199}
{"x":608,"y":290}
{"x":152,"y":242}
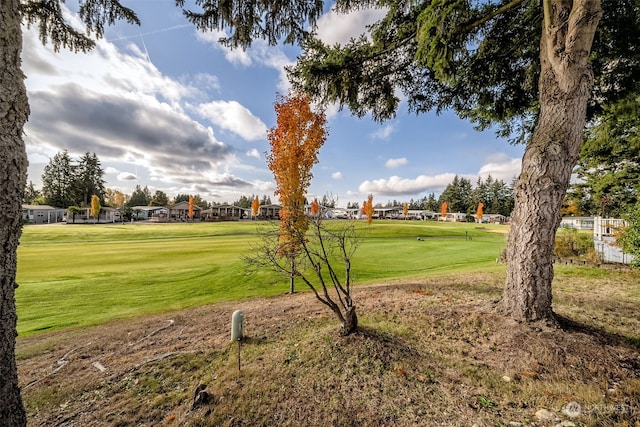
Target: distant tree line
{"x":494,"y":194}
{"x":246,"y":202}
{"x":460,"y":195}
{"x":68,"y":182}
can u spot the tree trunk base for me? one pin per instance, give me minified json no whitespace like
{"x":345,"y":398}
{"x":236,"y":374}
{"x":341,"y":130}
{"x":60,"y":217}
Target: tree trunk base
{"x":350,"y":324}
{"x":549,"y":320}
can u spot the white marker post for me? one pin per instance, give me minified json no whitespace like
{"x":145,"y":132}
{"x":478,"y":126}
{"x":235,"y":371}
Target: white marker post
{"x":236,"y":330}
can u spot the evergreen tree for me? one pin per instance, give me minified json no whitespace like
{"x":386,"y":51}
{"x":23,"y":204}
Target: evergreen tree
{"x":244,"y":201}
{"x":31,"y":194}
{"x":88,"y":180}
{"x":58,"y":181}
{"x":159,"y":198}
{"x":328,"y":201}
{"x":266,"y":200}
{"x":180,"y":198}
{"x":139,"y":197}
{"x":609,"y":167}
{"x":458,"y":195}
{"x":432,"y":203}
{"x":495,"y":195}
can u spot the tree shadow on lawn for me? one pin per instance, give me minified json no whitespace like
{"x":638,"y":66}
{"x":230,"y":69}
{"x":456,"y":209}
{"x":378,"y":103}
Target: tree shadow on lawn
{"x":605,"y":338}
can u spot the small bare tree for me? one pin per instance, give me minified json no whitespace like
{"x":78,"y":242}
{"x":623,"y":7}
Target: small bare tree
{"x":322,"y":248}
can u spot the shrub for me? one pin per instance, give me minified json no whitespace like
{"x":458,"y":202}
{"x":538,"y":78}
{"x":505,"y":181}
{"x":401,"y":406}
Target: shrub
{"x":572,"y":244}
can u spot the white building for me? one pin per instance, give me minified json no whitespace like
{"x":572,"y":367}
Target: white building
{"x":604,"y":240}
{"x":577,"y":222}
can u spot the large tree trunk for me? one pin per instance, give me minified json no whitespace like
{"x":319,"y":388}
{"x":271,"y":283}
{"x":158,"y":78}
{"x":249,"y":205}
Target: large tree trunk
{"x":565,"y":82}
{"x":14,"y":110}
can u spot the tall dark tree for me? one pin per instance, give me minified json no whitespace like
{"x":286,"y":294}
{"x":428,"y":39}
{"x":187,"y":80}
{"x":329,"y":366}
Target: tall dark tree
{"x":31,"y":193}
{"x":244,"y":201}
{"x":503,"y":201}
{"x":159,"y":198}
{"x":88,"y":180}
{"x":14,"y":111}
{"x":495,"y":195}
{"x":431,"y":203}
{"x":266,"y":200}
{"x":328,"y":201}
{"x":181,"y":198}
{"x":531,"y":66}
{"x":58,"y":181}
{"x":458,"y":195}
{"x":139,"y":197}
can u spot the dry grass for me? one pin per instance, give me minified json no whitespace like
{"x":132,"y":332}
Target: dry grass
{"x":431,"y":352}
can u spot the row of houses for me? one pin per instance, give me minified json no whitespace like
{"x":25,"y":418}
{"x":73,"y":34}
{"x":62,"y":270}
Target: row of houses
{"x":417,"y":214}
{"x":43,"y":214}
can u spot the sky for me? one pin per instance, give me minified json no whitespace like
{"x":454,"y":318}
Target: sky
{"x":167,"y":107}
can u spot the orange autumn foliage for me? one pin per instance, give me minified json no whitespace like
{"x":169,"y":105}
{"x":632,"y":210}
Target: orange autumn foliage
{"x":443,"y":210}
{"x":315,"y":207}
{"x":255,"y":206}
{"x":295,"y":141}
{"x":479,"y":212}
{"x":191,"y":202}
{"x":367,"y":208}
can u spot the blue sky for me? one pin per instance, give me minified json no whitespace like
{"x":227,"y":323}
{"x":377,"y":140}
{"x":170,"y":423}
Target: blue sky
{"x":165,"y":106}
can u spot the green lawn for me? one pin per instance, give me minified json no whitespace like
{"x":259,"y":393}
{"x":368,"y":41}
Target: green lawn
{"x":75,"y":275}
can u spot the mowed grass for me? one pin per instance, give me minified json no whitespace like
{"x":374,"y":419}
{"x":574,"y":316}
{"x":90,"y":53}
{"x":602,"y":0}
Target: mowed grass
{"x":78,"y":275}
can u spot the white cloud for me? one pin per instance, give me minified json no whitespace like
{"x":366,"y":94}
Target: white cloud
{"x":336,"y":175}
{"x":205,"y":82}
{"x":500,"y":166}
{"x":253,"y":153}
{"x":394,"y":163}
{"x":111,"y":169}
{"x":339,"y":28}
{"x":234,"y":56}
{"x":265,"y":186}
{"x":259,"y":53}
{"x":105,"y":69}
{"x":126,"y":176}
{"x":384,"y":132}
{"x":232,"y":116}
{"x":115,"y":102}
{"x":396,"y":185}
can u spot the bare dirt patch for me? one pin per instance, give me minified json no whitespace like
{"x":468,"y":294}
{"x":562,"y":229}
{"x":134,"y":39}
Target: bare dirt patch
{"x":433,"y":352}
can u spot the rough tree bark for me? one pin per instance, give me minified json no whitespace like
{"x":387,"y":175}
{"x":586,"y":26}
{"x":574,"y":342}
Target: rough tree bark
{"x":566,"y":81}
{"x":350,"y":324}
{"x":14,"y":111}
